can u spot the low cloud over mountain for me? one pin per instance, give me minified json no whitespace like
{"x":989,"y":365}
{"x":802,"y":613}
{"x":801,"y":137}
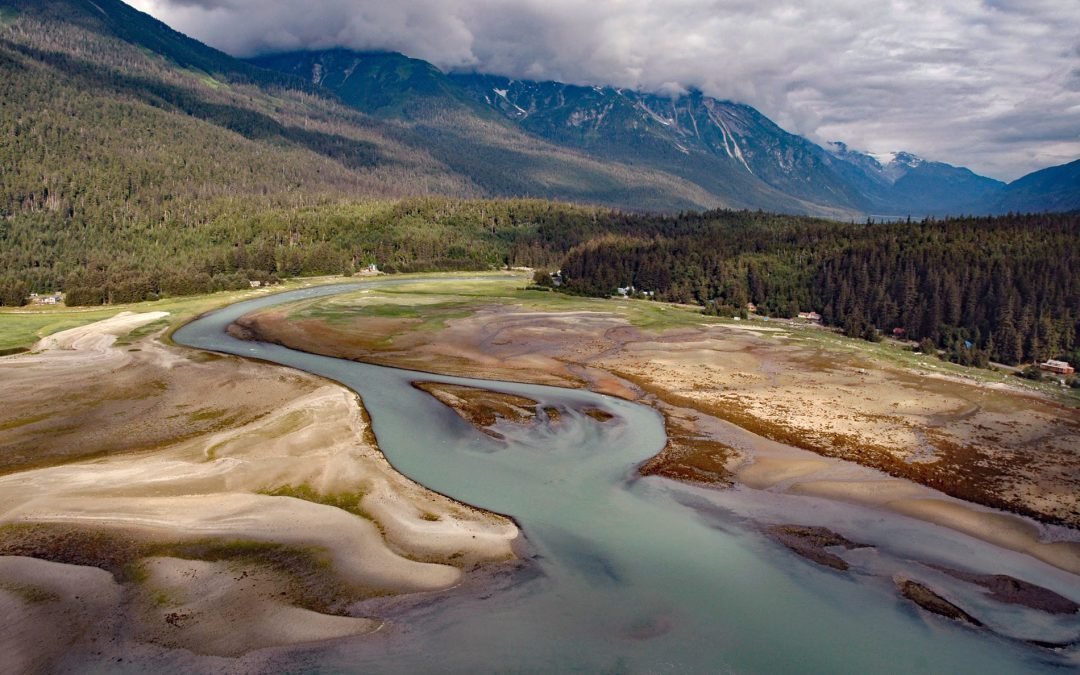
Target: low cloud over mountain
{"x":994,"y":85}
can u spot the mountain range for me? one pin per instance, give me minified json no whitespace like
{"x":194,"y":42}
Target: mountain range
{"x":729,"y":149}
{"x":108,"y":110}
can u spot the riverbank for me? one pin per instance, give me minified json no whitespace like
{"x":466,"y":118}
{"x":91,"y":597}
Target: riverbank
{"x":239,"y":576}
{"x":206,"y":503}
{"x":769,"y":407}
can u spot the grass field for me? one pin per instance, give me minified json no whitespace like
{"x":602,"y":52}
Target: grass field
{"x":430,"y":303}
{"x":21,"y":327}
{"x":435,"y":298}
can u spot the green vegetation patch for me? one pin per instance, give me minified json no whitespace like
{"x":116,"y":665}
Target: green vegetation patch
{"x":205,"y":78}
{"x":28,"y":593}
{"x":21,"y":329}
{"x":141,"y":332}
{"x":205,"y":414}
{"x":346,"y":501}
{"x":8,"y":15}
{"x":310,"y":581}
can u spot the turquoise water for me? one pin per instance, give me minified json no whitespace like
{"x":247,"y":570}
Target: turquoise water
{"x":628,"y":574}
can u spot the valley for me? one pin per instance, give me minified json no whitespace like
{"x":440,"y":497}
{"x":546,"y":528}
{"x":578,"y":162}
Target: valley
{"x":775,"y":416}
{"x":536,"y":356}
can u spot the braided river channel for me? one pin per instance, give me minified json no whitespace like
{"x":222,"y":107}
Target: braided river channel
{"x":622,"y":573}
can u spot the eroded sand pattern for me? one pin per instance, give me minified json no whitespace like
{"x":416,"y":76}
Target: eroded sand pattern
{"x":193,"y":464}
{"x":761,"y":406}
{"x":232,"y":510}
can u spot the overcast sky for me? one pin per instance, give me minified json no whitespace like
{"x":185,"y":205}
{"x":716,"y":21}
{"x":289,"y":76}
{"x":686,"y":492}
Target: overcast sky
{"x":989,"y":84}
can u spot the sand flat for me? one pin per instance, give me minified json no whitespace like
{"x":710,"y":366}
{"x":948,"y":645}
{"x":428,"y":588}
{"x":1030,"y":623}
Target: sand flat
{"x":215,"y":435}
{"x":787,"y":416}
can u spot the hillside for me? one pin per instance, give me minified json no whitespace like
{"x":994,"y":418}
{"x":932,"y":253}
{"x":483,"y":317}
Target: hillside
{"x":729,"y":151}
{"x":108,"y":145}
{"x":125,"y":143}
{"x":139,"y":162}
{"x":1053,"y":189}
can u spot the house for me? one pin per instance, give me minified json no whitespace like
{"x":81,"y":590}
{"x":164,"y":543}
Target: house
{"x":51,"y":299}
{"x":810,"y":316}
{"x":1059,"y":367}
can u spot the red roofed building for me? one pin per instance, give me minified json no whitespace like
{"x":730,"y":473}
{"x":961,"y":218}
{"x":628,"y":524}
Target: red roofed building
{"x":1059,"y":367}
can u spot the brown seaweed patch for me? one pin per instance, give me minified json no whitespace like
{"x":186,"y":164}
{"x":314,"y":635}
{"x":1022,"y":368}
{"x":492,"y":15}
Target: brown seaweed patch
{"x":1013,"y":591}
{"x":482,"y":407}
{"x":691,"y":458}
{"x":598,"y":414}
{"x":961,"y":470}
{"x":929,"y":600}
{"x":810,"y":542}
{"x":688,"y":455}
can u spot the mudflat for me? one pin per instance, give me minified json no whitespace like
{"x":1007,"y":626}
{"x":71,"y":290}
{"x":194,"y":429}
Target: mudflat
{"x":773,"y":406}
{"x":163,"y":496}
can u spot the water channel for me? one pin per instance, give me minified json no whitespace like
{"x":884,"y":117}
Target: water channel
{"x":630,"y":574}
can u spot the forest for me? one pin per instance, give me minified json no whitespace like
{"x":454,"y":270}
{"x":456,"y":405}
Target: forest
{"x":137,"y":164}
{"x":1005,"y":288}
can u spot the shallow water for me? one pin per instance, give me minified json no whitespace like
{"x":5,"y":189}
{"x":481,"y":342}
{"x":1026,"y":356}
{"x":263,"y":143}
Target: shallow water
{"x":647,"y":575}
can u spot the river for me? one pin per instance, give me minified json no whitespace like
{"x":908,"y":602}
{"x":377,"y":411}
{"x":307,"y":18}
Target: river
{"x":631,"y":574}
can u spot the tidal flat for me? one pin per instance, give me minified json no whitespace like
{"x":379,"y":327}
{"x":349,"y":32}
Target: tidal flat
{"x":785,"y":425}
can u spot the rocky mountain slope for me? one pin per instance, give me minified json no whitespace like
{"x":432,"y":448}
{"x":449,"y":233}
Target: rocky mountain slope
{"x":729,"y":150}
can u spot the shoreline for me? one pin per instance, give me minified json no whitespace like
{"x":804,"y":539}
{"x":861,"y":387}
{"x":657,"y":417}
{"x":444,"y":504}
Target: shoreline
{"x":775,"y":468}
{"x":212,"y":486}
{"x":746,"y":464}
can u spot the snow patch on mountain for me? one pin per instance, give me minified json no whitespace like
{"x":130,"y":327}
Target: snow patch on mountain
{"x":656,"y":116}
{"x":502,"y":93}
{"x":733,"y":151}
{"x":883,"y":158}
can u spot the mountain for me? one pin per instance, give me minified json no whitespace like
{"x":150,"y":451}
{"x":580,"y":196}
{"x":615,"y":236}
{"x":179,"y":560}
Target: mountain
{"x":1054,"y":189}
{"x":135,"y":161}
{"x":118,"y":133}
{"x":628,"y":130}
{"x":386,"y":84}
{"x":911,"y":184}
{"x":731,"y":153}
{"x":729,"y":149}
{"x":473,"y":141}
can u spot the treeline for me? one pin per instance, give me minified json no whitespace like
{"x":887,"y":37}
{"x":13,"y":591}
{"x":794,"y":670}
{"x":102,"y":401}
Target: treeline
{"x":94,"y":261}
{"x":1004,"y":288}
{"x":1007,"y":287}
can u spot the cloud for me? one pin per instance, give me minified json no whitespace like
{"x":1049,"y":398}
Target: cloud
{"x":989,"y":84}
